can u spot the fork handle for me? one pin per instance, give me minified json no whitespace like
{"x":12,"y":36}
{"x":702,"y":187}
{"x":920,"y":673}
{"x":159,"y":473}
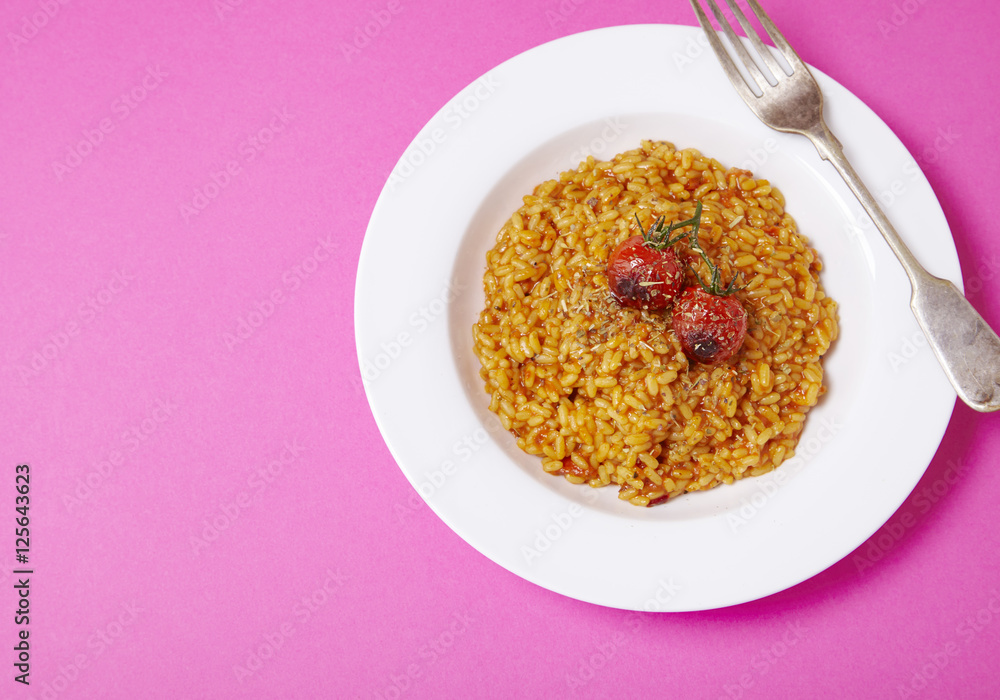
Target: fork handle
{"x":967,"y":348}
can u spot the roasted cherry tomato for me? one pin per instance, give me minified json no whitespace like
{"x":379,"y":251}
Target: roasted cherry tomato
{"x":643,"y":277}
{"x":711,"y":328}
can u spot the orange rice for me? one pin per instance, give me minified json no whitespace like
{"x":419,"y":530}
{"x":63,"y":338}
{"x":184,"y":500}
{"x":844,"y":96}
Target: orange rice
{"x":604,"y":394}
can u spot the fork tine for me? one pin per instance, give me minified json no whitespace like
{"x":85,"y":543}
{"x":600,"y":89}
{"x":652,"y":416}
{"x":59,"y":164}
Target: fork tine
{"x":735,"y":77}
{"x":754,"y":37}
{"x":752,"y":69}
{"x":778,"y":38}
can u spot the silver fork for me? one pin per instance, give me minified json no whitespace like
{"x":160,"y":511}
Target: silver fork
{"x":966,"y":347}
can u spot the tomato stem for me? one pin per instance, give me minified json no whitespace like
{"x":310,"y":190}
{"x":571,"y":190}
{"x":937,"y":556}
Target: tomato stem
{"x":658,"y":238}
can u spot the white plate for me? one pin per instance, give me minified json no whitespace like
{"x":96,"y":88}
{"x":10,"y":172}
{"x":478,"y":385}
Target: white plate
{"x":419,"y":290}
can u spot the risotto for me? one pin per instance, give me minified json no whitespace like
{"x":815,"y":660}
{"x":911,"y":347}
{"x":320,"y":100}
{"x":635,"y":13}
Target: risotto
{"x":605,"y":394}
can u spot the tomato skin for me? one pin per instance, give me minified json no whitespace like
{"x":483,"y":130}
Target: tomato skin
{"x":711,"y":328}
{"x":642,"y":277}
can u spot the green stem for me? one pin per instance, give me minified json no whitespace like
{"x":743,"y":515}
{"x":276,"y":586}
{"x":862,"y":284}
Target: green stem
{"x":659,"y":238}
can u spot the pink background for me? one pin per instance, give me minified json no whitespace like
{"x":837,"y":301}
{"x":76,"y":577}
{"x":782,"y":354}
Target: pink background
{"x":169,"y":174}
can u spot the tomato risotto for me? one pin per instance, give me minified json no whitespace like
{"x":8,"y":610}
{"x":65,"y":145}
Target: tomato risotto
{"x":602,"y":389}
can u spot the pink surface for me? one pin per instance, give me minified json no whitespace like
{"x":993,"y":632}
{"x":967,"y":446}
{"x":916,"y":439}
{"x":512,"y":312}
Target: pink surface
{"x":184,"y":197}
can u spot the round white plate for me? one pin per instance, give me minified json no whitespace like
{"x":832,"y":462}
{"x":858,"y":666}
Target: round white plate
{"x":419,"y":291}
